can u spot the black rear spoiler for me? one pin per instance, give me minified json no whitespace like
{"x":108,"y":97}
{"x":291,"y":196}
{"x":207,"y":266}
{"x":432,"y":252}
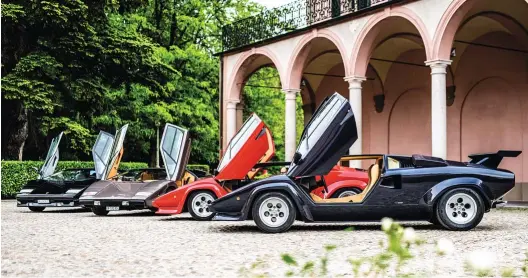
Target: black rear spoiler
{"x":492,"y":160}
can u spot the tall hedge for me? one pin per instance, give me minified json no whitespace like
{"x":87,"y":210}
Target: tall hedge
{"x":16,"y":173}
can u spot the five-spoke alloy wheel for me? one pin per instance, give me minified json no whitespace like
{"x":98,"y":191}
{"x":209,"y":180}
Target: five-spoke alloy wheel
{"x":273,"y":212}
{"x":460,"y":209}
{"x":198,"y":205}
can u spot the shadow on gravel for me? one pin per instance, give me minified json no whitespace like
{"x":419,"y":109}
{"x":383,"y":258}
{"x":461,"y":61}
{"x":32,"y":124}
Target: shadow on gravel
{"x":168,"y":218}
{"x":340,"y":227}
{"x":139,"y":213}
{"x":72,"y":210}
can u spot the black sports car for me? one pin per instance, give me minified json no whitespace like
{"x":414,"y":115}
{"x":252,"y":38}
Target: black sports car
{"x":62,"y":189}
{"x":452,"y":194}
{"x":136,"y":191}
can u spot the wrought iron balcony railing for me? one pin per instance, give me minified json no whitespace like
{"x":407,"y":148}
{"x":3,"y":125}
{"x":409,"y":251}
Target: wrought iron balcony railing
{"x":288,"y":18}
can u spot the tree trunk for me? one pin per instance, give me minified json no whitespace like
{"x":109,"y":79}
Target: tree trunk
{"x":14,"y":130}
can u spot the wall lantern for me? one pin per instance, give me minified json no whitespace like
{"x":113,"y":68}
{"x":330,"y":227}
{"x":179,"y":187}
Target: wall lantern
{"x":453,"y":52}
{"x":450,"y":95}
{"x":379,"y":102}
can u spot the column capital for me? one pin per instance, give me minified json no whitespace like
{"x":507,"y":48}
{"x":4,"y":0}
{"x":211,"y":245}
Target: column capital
{"x":438,"y":66}
{"x":291,"y":93}
{"x":354,"y":81}
{"x":232,"y":103}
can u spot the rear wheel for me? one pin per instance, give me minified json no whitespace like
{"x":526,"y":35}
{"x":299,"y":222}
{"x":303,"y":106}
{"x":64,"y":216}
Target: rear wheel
{"x":346,"y":192}
{"x":37,"y":209}
{"x":101,"y":211}
{"x":198,"y":205}
{"x":460,"y":209}
{"x":274,"y":212}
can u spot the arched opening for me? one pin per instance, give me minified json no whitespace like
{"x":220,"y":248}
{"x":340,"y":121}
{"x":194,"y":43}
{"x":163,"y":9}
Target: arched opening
{"x":396,"y":95}
{"x":488,"y":44}
{"x":256,"y":87}
{"x":318,"y":69}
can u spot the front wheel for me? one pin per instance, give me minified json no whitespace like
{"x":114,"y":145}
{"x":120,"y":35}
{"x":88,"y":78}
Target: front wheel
{"x":101,"y":211}
{"x":274,"y":212}
{"x":460,"y":209}
{"x":198,"y":205}
{"x":37,"y":209}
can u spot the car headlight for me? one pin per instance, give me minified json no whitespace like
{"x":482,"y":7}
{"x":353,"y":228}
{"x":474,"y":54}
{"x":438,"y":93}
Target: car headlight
{"x":73,"y":191}
{"x":27,"y":190}
{"x":143,"y":193}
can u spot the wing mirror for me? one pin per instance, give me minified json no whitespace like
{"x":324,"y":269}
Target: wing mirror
{"x":297,"y":158}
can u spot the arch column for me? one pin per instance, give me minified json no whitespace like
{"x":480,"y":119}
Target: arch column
{"x":231,"y":119}
{"x":355,"y":98}
{"x":290,"y":128}
{"x":438,"y":107}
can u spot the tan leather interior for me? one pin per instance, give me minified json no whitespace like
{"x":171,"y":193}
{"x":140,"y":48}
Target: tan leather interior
{"x":187,"y":178}
{"x":115,"y":167}
{"x":373,"y":173}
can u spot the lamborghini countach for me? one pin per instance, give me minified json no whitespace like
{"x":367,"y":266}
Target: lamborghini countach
{"x":453,"y":194}
{"x":247,"y":153}
{"x":136,"y":191}
{"x":63,"y":188}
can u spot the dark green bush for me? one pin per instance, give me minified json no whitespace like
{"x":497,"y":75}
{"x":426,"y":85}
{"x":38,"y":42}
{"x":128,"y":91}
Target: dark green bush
{"x":199,"y":167}
{"x":16,"y":173}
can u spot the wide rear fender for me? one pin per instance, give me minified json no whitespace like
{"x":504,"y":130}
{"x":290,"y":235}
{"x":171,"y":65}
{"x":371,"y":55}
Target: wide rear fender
{"x":434,"y":194}
{"x":332,"y":188}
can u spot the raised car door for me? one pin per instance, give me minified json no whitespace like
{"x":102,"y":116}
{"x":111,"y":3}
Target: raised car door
{"x":116,"y":153}
{"x":325,"y":139}
{"x":101,"y":151}
{"x":52,"y":158}
{"x":175,"y":149}
{"x":250,"y":145}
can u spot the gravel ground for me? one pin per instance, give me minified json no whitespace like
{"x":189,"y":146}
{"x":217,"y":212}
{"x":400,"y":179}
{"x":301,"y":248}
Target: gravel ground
{"x":73,"y":242}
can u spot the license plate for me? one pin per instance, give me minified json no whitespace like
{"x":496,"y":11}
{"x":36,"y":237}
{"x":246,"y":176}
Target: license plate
{"x":43,"y":201}
{"x":112,"y":208}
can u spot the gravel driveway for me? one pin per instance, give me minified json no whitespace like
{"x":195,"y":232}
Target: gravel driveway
{"x":61,"y":242}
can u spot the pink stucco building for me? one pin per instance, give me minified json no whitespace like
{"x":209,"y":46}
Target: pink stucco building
{"x":441,"y":77}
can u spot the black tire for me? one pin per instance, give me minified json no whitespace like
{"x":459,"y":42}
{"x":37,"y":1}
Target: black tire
{"x":196,"y":215}
{"x":442,"y":213}
{"x":37,"y":209}
{"x":434,"y":220}
{"x":101,"y":211}
{"x":290,"y":218}
{"x":343,"y":190}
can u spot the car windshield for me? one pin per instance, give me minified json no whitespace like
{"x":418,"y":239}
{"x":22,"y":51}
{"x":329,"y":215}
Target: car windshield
{"x":239,"y":140}
{"x":72,"y":175}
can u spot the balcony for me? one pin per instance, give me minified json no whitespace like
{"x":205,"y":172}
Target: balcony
{"x":293,"y":17}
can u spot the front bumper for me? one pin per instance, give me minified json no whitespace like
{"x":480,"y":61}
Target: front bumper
{"x":47,"y":200}
{"x":122,"y":204}
{"x":168,"y":210}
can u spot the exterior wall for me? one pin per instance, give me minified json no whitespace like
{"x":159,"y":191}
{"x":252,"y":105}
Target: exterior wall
{"x":490,"y":110}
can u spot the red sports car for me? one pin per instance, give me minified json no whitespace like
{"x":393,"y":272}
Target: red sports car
{"x":246,"y":154}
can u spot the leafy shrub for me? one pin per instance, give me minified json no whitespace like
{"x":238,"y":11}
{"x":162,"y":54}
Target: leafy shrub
{"x":16,"y":173}
{"x":198,"y":167}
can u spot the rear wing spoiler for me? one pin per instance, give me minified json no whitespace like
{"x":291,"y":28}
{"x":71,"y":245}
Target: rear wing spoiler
{"x":492,"y":160}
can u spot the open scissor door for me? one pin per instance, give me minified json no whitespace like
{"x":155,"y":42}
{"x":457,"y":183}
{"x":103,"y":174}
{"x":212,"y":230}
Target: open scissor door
{"x":175,"y":149}
{"x":250,"y":145}
{"x":101,"y":153}
{"x":116,"y":153}
{"x":52,"y":158}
